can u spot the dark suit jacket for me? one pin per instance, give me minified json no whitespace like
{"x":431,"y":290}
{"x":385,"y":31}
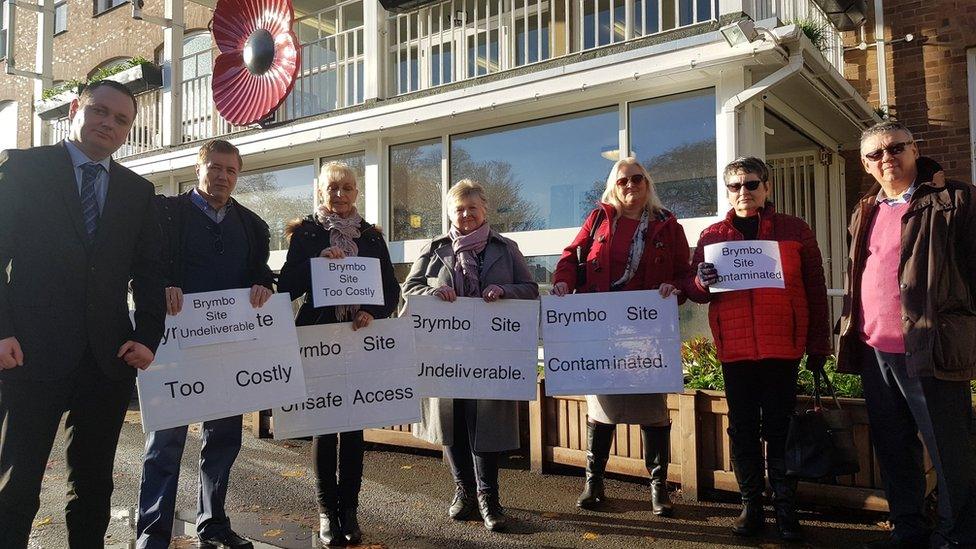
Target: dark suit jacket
{"x":64,"y":295}
{"x":172,"y":210}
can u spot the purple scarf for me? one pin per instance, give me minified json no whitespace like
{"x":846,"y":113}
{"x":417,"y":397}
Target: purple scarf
{"x":343,"y":232}
{"x":466,"y":250}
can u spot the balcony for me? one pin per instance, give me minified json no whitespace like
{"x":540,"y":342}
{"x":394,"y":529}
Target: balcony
{"x":440,"y":44}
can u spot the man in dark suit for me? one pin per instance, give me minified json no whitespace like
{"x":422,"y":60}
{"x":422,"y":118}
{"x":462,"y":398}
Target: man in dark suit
{"x":76,"y":228}
{"x":211,"y":242}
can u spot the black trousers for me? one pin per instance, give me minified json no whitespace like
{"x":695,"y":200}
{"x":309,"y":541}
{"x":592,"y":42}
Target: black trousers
{"x":30,"y":413}
{"x":761,"y":396}
{"x":338,"y":481}
{"x":470,"y":468}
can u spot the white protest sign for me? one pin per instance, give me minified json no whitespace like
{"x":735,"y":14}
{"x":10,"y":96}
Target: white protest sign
{"x":355,"y":380}
{"x":348,"y":281}
{"x":190,"y":385}
{"x":474,"y":349}
{"x":216,"y":317}
{"x":611,"y":343}
{"x":745,"y":265}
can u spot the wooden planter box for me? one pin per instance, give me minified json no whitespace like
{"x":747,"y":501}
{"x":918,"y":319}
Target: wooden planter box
{"x":57,"y":106}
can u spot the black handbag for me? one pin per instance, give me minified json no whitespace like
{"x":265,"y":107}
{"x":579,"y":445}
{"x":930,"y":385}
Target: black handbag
{"x":820,"y":442}
{"x":583,"y":250}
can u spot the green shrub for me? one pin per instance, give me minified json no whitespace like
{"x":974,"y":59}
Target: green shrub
{"x":100,"y":74}
{"x":816,"y":32}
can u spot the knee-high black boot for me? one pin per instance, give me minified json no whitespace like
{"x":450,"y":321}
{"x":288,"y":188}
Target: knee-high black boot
{"x":325,"y":462}
{"x":784,"y":500}
{"x":749,"y":475}
{"x":599,"y":437}
{"x":657,"y":451}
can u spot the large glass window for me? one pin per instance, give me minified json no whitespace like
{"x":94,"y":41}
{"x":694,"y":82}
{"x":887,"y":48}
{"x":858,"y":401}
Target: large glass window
{"x":545,"y":174}
{"x":357,"y":162}
{"x":278,"y":195}
{"x":415,"y":190}
{"x":674,"y":137}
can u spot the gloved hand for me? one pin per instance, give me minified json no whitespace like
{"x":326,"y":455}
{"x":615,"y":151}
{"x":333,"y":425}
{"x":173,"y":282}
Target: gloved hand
{"x":707,"y":275}
{"x":816,"y":362}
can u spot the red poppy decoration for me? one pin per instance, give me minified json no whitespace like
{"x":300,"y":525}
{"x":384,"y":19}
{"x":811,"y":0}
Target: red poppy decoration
{"x":258,"y":60}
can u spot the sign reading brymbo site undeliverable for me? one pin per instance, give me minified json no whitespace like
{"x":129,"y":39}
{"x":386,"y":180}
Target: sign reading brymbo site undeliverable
{"x":611,"y":343}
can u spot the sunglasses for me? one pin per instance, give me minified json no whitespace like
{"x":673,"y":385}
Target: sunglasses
{"x":750,"y":185}
{"x":636,"y":179}
{"x":217,"y":233}
{"x":894,"y":150}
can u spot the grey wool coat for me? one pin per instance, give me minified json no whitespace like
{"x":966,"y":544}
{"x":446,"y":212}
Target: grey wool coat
{"x":497,"y":424}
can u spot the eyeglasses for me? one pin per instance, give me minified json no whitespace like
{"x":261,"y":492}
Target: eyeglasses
{"x":636,"y":179}
{"x":894,"y":150}
{"x":750,"y":185}
{"x":218,"y":238}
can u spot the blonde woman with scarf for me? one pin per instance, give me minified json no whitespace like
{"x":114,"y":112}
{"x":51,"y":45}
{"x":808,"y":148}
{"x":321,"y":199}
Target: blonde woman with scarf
{"x":336,"y":230}
{"x":636,"y":245}
{"x":471,"y":260}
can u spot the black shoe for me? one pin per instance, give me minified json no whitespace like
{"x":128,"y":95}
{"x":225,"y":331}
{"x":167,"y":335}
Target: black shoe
{"x":751,"y":521}
{"x":784,"y":498}
{"x":599,"y":437}
{"x":350,"y":526}
{"x":749,"y":476}
{"x":491,"y":511}
{"x":657,"y":453}
{"x":329,"y":532}
{"x":464,"y":503}
{"x":227,"y":538}
{"x":788,"y":525}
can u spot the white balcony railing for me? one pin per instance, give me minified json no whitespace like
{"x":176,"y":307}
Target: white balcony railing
{"x":810,"y":14}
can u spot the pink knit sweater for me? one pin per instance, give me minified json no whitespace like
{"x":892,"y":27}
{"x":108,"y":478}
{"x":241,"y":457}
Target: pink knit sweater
{"x":881,"y":316}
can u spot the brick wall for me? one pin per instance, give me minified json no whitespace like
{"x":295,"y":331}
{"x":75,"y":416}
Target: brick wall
{"x":927,"y":78}
{"x":89,"y":41}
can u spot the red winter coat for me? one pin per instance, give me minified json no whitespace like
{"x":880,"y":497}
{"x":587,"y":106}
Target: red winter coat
{"x":769,"y":322}
{"x":665,"y":257}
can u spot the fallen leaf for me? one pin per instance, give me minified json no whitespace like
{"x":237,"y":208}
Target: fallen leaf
{"x":274,"y":533}
{"x":289,"y":445}
{"x":406,"y":466}
{"x":550,"y":515}
{"x":590,"y":536}
{"x":43,"y":521}
{"x":293,"y":473}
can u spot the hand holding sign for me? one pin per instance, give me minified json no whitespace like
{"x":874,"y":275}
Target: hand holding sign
{"x":346,"y":281}
{"x":745,"y":265}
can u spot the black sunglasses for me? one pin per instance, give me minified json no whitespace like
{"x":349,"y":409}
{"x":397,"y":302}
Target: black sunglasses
{"x":636,"y":179}
{"x":218,"y":238}
{"x":894,"y":150}
{"x":750,"y":185}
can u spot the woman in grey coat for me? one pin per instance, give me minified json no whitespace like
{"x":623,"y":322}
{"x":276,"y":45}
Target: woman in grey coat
{"x":471,"y":260}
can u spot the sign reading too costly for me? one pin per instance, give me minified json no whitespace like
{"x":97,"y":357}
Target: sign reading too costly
{"x":348,"y":281}
{"x":611,"y":343}
{"x":473,"y":349}
{"x":745,"y":265}
{"x":189,"y":385}
{"x":355,"y":379}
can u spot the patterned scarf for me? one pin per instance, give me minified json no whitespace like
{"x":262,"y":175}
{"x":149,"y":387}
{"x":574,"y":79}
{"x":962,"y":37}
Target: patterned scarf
{"x":343,"y":232}
{"x":466,"y":249}
{"x":636,"y":251}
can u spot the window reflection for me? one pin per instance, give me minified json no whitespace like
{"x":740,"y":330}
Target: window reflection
{"x":277,"y":195}
{"x":415,"y":190}
{"x":674,"y":137}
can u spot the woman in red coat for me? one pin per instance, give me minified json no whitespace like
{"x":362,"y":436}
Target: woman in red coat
{"x":637,"y":245}
{"x":761,"y":335}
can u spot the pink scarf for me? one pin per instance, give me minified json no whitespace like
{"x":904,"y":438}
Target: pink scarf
{"x":343,"y":232}
{"x":466,"y":249}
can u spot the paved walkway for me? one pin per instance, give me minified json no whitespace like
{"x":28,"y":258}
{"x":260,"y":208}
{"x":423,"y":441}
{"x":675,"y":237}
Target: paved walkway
{"x":404,"y":503}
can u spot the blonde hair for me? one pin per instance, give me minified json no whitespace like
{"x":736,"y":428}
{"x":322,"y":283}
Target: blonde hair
{"x":653,"y":205}
{"x":466,"y":188}
{"x":333,"y":172}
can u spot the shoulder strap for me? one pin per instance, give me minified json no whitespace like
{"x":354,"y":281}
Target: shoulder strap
{"x":583,"y":251}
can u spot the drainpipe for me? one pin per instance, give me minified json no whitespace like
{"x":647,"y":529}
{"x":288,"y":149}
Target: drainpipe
{"x":879,"y":43}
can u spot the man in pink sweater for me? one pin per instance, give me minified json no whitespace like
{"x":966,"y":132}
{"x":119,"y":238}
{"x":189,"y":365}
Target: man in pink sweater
{"x":909,"y":330}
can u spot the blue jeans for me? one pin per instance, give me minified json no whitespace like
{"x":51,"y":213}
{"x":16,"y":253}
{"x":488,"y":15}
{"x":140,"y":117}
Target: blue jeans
{"x":161,"y":471}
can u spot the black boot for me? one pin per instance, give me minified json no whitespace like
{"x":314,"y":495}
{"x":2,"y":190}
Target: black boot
{"x":784,"y":500}
{"x":491,"y":511}
{"x":657,"y":451}
{"x":329,"y":532}
{"x":464,"y":503}
{"x":349,"y":522}
{"x":599,"y":436}
{"x":749,"y":475}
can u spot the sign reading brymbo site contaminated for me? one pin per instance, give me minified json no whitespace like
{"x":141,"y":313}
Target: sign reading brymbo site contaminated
{"x":355,"y":379}
{"x":611,"y":343}
{"x":216,"y":317}
{"x":211,"y":381}
{"x":473,"y":349}
{"x":745,"y":265}
{"x":348,"y":281}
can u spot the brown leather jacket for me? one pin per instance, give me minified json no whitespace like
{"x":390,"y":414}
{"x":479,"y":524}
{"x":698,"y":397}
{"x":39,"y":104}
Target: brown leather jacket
{"x":938,"y":278}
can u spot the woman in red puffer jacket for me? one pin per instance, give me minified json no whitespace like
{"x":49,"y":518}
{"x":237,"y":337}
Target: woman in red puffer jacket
{"x":761,"y":335}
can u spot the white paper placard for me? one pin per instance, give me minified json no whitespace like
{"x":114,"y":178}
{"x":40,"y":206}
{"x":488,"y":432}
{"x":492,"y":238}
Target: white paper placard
{"x":355,"y":379}
{"x":208,"y":318}
{"x":611,"y":343}
{"x":745,"y":265}
{"x":474,"y":349}
{"x":348,"y":281}
{"x":194,"y":384}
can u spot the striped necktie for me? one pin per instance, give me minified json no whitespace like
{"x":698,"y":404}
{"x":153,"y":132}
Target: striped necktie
{"x":89,"y":203}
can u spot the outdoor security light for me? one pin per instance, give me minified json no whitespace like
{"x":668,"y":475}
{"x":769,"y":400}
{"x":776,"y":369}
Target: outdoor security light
{"x":740,"y":32}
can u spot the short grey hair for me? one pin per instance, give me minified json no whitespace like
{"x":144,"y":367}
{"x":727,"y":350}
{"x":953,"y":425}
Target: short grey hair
{"x":886,"y":126}
{"x":466,"y":188}
{"x":746,"y":164}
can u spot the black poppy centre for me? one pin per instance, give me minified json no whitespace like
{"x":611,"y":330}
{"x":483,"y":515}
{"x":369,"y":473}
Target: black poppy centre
{"x":259,"y":52}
